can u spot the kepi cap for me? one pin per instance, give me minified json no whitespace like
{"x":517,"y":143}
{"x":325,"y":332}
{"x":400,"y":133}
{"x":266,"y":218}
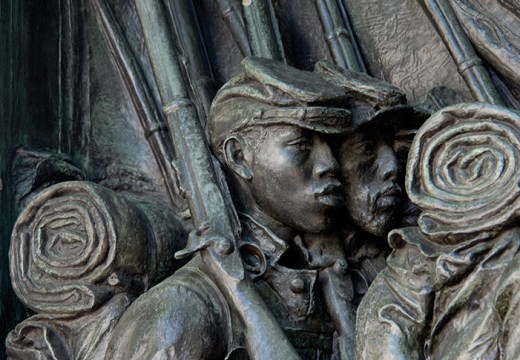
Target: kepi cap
{"x":268,"y":92}
{"x":374,"y":103}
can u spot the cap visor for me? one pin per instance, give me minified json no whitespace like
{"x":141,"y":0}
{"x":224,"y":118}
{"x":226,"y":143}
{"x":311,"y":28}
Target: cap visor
{"x":393,"y":119}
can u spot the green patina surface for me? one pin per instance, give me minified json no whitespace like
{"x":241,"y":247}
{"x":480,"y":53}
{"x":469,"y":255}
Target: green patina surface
{"x":28,"y":115}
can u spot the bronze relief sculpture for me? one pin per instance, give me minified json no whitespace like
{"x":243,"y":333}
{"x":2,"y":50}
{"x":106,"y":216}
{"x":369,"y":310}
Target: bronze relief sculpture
{"x":270,"y":218}
{"x":456,"y":271}
{"x":272,"y":142}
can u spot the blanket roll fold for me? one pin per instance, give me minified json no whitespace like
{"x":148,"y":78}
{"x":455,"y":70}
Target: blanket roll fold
{"x":463,"y":171}
{"x":77,"y":244}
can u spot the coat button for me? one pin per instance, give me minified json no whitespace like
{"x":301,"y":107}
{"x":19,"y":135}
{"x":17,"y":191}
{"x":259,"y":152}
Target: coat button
{"x":340,"y":267}
{"x":297,"y":285}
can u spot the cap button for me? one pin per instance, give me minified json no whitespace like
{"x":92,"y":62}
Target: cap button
{"x":297,"y":285}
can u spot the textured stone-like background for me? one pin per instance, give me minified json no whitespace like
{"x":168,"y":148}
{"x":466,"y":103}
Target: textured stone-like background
{"x":401,"y":46}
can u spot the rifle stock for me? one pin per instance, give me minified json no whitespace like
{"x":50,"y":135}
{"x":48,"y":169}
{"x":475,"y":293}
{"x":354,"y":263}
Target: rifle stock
{"x":215,"y":238}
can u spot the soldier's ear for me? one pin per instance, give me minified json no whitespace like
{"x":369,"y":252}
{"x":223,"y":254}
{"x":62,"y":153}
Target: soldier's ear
{"x":234,"y":156}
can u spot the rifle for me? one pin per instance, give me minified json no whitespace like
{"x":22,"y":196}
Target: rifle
{"x":262,"y":29}
{"x":236,"y":25}
{"x":468,"y":63}
{"x":140,"y":94}
{"x":190,"y":49}
{"x":339,"y":34}
{"x":343,"y":9}
{"x":214,"y":236}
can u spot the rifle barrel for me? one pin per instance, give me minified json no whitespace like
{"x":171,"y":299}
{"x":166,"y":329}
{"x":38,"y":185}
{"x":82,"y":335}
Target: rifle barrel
{"x":341,"y":41}
{"x":262,"y":29}
{"x":186,"y":27}
{"x":343,"y":9}
{"x":236,"y":25}
{"x":468,"y":63}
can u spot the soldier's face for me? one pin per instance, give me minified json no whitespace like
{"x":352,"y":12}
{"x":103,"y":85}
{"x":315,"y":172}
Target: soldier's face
{"x":296,"y":178}
{"x":369,"y":169}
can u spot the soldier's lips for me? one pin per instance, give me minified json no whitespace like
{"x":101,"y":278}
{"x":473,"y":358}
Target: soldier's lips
{"x":331,"y":195}
{"x":389,"y":198}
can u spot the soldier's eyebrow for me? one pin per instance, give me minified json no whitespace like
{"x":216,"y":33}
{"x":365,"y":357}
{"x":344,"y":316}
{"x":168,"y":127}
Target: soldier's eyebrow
{"x":298,"y":140}
{"x":352,"y":139}
{"x":286,"y":131}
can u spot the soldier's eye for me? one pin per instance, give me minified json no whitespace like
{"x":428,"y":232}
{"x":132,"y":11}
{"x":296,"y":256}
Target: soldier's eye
{"x":302,"y":143}
{"x":364,"y":146}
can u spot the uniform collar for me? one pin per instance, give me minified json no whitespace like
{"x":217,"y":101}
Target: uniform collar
{"x":257,"y":234}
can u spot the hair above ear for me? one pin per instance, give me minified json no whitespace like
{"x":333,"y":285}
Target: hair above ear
{"x":234,"y":157}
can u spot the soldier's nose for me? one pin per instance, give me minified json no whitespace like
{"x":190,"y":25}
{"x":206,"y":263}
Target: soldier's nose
{"x":325,"y":162}
{"x":387,"y":164}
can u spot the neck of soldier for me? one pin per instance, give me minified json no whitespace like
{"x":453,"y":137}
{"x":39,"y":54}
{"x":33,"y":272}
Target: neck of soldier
{"x":324,"y":248}
{"x":281,"y":230}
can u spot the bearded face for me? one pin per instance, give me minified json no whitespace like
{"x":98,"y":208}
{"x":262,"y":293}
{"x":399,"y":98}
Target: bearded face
{"x":369,"y":168}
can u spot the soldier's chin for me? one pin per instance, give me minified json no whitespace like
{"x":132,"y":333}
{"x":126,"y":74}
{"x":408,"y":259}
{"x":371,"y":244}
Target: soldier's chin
{"x":381,"y":225}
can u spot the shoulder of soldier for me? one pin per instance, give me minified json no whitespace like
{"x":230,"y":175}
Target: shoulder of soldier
{"x":184,"y":315}
{"x":412,"y":253}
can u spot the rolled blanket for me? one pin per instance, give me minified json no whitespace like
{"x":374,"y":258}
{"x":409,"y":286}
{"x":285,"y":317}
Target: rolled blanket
{"x":463,"y":171}
{"x":77,"y":244}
